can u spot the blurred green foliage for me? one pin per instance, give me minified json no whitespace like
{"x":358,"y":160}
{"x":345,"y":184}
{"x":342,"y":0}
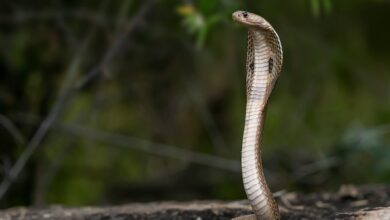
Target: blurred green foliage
{"x":176,"y":76}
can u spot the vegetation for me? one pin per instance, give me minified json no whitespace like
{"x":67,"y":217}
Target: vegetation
{"x":118,"y":101}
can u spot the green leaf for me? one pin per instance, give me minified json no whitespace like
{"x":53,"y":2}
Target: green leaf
{"x":315,"y":7}
{"x":327,"y":6}
{"x":201,"y":36}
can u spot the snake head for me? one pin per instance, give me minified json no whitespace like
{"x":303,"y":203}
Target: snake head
{"x":250,"y":20}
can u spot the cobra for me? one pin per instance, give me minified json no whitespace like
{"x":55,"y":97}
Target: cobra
{"x":263,"y":65}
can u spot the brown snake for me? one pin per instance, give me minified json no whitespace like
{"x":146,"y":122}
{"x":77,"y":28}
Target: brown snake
{"x":263,"y":64}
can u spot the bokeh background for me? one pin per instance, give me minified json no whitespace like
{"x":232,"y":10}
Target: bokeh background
{"x":107,"y":102}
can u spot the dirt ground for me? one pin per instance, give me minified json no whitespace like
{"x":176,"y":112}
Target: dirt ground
{"x":349,"y":202}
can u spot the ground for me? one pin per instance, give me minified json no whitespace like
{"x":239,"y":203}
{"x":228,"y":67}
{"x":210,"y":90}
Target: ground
{"x":349,"y":202}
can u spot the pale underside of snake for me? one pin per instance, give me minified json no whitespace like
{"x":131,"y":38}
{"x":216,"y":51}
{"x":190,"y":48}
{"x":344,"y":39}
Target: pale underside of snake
{"x":263,"y":65}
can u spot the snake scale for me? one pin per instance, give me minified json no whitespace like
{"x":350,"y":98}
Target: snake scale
{"x":263,"y":65}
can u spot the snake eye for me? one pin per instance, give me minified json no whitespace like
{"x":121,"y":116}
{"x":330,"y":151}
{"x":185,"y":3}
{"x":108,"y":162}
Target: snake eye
{"x":245,"y":14}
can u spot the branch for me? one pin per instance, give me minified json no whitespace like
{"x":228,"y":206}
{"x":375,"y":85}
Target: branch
{"x":130,"y":142}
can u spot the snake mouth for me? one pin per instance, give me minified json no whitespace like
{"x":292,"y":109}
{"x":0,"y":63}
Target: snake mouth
{"x":240,"y":16}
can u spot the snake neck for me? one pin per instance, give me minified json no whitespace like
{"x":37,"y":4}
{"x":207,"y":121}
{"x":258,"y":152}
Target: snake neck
{"x":259,"y":87}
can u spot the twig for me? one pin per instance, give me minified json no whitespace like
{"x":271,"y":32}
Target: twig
{"x":12,"y":129}
{"x":69,"y":38}
{"x":80,"y":14}
{"x":119,"y":40}
{"x":316,"y":166}
{"x":151,"y":147}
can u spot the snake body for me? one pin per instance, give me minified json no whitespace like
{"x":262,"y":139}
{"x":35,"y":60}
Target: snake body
{"x":263,"y":65}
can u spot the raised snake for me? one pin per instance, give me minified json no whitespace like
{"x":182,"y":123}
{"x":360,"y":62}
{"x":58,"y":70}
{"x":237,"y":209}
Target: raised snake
{"x":263,"y":65}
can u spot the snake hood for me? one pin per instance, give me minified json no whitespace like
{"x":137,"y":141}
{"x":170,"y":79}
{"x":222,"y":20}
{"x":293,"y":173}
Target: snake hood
{"x":260,"y":30}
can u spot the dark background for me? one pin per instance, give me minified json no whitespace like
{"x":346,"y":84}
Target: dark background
{"x":107,"y":102}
